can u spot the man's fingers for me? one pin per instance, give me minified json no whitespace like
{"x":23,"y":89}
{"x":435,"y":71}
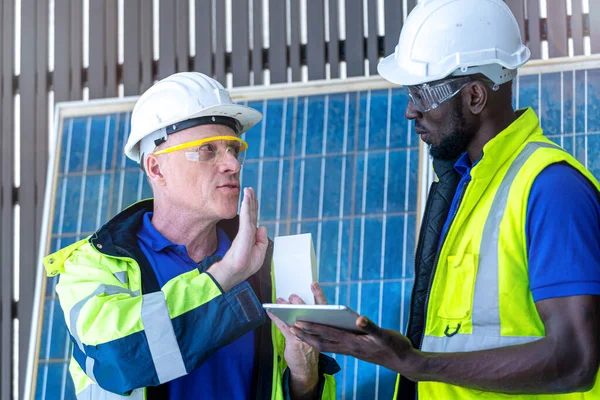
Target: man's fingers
{"x":324,"y":331}
{"x":366,"y":325}
{"x":322,"y":345}
{"x":295,"y":299}
{"x":318,"y":293}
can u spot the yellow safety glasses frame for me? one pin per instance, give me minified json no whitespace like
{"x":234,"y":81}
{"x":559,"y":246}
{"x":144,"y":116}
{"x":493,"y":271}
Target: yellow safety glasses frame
{"x":208,"y":152}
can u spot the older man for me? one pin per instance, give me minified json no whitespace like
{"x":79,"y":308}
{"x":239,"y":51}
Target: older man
{"x":506,"y":300}
{"x":164,"y":301}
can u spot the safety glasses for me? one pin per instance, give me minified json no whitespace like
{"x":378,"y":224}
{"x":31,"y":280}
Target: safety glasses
{"x":211,"y":150}
{"x":427,"y":97}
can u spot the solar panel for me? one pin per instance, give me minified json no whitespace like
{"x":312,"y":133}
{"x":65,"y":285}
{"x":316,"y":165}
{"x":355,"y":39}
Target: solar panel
{"x":344,"y":167}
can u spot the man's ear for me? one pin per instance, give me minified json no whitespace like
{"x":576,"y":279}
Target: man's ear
{"x":478,"y":96}
{"x":153,"y":170}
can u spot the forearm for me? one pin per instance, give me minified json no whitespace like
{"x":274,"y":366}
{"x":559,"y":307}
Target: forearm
{"x":540,"y":367}
{"x":304,"y":388}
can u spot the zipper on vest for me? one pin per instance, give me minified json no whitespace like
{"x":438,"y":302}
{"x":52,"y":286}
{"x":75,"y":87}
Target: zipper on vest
{"x":437,"y":259}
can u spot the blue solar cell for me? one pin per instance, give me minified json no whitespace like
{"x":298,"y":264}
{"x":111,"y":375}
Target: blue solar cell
{"x":268,"y":190}
{"x":303,"y":122}
{"x":593,"y":101}
{"x":378,"y":119}
{"x":375,"y":183}
{"x":550,"y":103}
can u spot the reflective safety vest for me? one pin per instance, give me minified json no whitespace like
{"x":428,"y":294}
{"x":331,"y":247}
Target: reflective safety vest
{"x":478,"y":297}
{"x":131,"y":336}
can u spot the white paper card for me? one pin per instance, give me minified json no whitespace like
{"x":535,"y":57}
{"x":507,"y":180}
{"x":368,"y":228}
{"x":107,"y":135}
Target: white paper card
{"x":295,"y":266}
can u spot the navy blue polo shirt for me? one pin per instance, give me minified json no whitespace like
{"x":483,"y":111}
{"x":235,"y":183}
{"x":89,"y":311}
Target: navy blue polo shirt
{"x":562,"y":231}
{"x":227,"y":374}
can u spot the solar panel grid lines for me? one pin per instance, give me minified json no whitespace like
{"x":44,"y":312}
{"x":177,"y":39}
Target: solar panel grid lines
{"x":343,"y":167}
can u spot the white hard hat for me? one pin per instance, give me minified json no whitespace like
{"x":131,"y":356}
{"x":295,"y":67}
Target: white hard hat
{"x":456,"y":37}
{"x":181,"y":101}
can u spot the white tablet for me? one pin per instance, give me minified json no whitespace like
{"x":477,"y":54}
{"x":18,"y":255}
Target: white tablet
{"x":340,"y":317}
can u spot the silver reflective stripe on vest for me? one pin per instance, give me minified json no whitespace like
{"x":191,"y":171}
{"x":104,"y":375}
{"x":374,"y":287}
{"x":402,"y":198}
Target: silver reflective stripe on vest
{"x":89,"y":368}
{"x":164,"y":348}
{"x":486,"y":313}
{"x":76,"y":310}
{"x":95,"y":392}
{"x":121,"y":276}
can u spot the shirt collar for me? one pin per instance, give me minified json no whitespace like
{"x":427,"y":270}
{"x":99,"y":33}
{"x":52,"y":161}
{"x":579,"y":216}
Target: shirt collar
{"x":157,"y":242}
{"x":151,"y":236}
{"x":463,"y":164}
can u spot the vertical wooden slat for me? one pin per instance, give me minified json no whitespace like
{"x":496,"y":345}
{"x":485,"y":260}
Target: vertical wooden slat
{"x":96,"y":69}
{"x":29,"y":167}
{"x":277,"y":42}
{"x":168,"y":22}
{"x":182,"y":23}
{"x":295,"y":62}
{"x":220,"y":72}
{"x":75,"y":52}
{"x":315,"y":46}
{"x":354,"y":38}
{"x":6,"y":173}
{"x":146,"y":45}
{"x":240,"y":62}
{"x":372,"y":39}
{"x":393,"y":24}
{"x":257,"y":45}
{"x":595,"y":26}
{"x":41,"y":106}
{"x":333,"y":46}
{"x":577,"y":27}
{"x":557,"y":28}
{"x":132,"y":47}
{"x":62,"y":40}
{"x":111,"y":60}
{"x":533,"y":29}
{"x":516,"y":6}
{"x":204,"y":53}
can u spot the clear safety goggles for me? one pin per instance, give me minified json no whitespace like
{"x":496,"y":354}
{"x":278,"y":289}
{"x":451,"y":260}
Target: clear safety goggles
{"x":427,"y":97}
{"x":211,"y":150}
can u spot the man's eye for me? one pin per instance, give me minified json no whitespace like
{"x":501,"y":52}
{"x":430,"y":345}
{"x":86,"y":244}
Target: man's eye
{"x":207,"y":147}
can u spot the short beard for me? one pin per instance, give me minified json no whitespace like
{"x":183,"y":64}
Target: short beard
{"x":454,"y":145}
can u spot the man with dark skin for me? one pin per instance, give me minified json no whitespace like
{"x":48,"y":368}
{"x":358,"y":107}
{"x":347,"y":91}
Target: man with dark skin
{"x":506,"y":298}
{"x":565,"y":360}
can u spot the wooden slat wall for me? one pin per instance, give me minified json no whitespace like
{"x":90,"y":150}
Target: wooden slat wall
{"x":182,"y":38}
{"x":372,"y":38}
{"x":556,"y":28}
{"x":577,"y":27}
{"x":132,"y":48}
{"x":354,"y":50}
{"x":240,"y":52}
{"x":315,"y":46}
{"x":533,"y":28}
{"x":295,"y":56}
{"x":333,"y":47}
{"x":257,"y":45}
{"x":393,"y":24}
{"x":285,"y":58}
{"x":595,"y":26}
{"x":219,"y":27}
{"x":167,"y":44}
{"x":203,"y":61}
{"x":277,"y":42}
{"x":6,"y":202}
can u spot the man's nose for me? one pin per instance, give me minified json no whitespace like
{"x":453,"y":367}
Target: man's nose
{"x":412,"y":112}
